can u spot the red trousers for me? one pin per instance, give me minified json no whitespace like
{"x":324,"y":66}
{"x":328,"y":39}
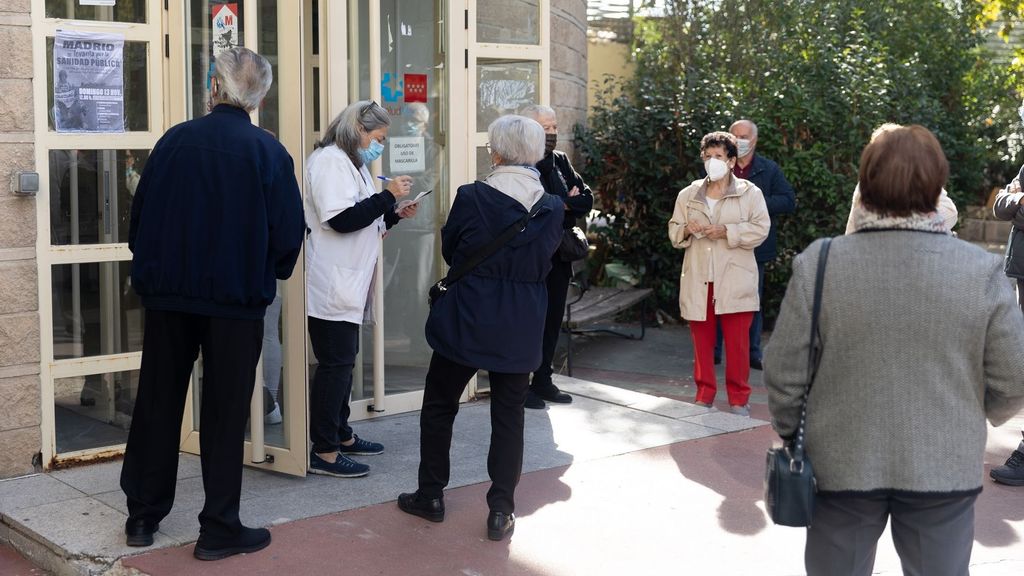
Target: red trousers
{"x":736,"y":334}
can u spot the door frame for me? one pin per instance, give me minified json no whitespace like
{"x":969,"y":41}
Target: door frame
{"x":293,"y":458}
{"x":48,"y":255}
{"x":475,"y":137}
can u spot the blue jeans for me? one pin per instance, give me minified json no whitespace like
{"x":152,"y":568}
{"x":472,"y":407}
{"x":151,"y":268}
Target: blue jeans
{"x":755,"y":325}
{"x":335,"y":344}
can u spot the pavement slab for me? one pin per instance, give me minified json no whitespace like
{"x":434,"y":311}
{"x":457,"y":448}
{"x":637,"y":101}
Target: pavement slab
{"x":690,"y":507}
{"x":627,"y":480}
{"x":80,"y":513}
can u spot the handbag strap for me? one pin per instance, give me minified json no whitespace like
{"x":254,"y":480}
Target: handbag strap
{"x":813,"y":354}
{"x":491,"y":247}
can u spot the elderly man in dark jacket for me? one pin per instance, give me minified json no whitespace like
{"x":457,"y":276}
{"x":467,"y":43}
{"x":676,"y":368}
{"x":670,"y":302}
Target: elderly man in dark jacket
{"x":1008,"y":206}
{"x":216,"y":221}
{"x":559,"y":179}
{"x":779,"y":197}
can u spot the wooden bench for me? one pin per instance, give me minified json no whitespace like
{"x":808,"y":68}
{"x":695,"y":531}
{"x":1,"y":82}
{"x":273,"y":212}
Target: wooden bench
{"x":597,"y":303}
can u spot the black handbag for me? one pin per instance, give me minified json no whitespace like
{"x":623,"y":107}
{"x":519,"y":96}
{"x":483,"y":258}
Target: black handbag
{"x":574,"y":245}
{"x":440,"y":288}
{"x":789,"y":484}
{"x":1014,"y":263}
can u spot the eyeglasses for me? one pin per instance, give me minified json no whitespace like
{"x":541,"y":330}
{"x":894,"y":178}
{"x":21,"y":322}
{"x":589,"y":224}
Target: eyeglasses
{"x":367,"y":108}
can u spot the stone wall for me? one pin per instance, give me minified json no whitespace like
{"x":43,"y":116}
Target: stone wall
{"x":569,"y":67}
{"x":19,"y":299}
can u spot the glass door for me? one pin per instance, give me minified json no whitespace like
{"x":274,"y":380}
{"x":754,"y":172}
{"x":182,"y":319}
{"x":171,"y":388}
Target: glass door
{"x":394,"y":53}
{"x":199,"y":30}
{"x":507,"y":69}
{"x":100,"y":90}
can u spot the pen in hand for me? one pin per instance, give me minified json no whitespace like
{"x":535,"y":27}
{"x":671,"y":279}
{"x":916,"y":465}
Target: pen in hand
{"x":384,"y":178}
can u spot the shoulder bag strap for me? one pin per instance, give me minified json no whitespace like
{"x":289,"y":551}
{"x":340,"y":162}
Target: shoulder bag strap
{"x":491,"y":247}
{"x":814,"y":352}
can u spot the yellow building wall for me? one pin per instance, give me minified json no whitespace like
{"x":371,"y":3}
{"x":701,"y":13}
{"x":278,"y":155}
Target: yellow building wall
{"x":605,"y":58}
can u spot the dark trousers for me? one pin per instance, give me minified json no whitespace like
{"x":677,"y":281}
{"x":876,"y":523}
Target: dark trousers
{"x":336,"y":345}
{"x":172,"y":341}
{"x":756,"y":325}
{"x":932,"y":536}
{"x":558,"y":286}
{"x":446,"y":380}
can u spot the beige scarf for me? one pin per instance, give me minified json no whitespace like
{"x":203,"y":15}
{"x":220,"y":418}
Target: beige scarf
{"x":864,"y":219}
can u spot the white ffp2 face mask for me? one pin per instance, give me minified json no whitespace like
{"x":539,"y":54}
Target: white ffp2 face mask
{"x":716,"y":169}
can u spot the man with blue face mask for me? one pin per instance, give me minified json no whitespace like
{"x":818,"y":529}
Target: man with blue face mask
{"x":779,"y":197}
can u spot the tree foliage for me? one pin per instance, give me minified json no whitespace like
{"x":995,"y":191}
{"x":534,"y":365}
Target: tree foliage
{"x":817,"y":77}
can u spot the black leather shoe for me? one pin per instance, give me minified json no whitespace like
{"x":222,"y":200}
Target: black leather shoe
{"x":755,"y":364}
{"x":430,"y":508}
{"x":248,"y":540}
{"x":551,"y":393}
{"x":500,"y":525}
{"x":140,"y":532}
{"x":533,"y":402}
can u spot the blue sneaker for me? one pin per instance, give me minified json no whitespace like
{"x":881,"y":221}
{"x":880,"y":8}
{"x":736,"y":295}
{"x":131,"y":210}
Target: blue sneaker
{"x":342,"y":467}
{"x":361,"y":448}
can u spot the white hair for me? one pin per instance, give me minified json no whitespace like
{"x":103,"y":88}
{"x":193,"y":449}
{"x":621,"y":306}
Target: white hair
{"x":344,"y":130}
{"x":753,"y":127}
{"x":537,"y":111}
{"x":518,"y":140}
{"x":244,"y":78}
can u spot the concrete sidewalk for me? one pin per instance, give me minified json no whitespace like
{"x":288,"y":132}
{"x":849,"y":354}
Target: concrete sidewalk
{"x":629,"y":479}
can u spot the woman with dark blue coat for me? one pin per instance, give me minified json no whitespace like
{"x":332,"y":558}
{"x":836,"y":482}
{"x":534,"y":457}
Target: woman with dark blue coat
{"x":491,"y":319}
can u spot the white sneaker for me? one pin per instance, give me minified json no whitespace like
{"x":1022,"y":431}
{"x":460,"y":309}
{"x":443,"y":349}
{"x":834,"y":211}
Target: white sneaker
{"x":274,"y":416}
{"x":741,"y":410}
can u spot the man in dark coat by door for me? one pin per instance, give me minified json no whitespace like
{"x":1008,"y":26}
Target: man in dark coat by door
{"x":561,"y":180}
{"x":216,"y":222}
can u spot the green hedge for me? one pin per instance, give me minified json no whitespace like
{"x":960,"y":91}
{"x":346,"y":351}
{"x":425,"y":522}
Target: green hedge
{"x":817,"y":77}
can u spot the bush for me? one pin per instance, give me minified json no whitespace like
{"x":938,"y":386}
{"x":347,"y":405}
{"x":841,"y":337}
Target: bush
{"x":817,"y":77}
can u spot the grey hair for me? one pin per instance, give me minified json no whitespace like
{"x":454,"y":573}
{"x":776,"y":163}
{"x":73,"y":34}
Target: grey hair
{"x":244,"y":76}
{"x":344,"y":130}
{"x":518,"y":140}
{"x":753,"y":127}
{"x":536,"y":111}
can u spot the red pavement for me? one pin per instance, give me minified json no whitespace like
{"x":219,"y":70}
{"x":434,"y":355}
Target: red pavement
{"x":14,"y":564}
{"x":687,"y":508}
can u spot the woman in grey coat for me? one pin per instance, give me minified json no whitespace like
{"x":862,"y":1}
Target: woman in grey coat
{"x":920,"y":340}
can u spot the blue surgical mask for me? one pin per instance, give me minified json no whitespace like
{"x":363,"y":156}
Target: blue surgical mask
{"x":368,"y":155}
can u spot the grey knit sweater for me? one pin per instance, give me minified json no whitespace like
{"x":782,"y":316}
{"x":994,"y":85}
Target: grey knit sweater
{"x":922,"y":340}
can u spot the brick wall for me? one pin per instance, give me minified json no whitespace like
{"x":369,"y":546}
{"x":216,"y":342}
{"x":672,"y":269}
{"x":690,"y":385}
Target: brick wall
{"x":569,"y":67}
{"x":19,"y":300}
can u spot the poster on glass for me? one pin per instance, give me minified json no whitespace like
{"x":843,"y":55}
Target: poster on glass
{"x":88,"y":82}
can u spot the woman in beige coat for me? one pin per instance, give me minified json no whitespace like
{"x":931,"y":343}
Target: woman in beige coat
{"x":719,"y":221}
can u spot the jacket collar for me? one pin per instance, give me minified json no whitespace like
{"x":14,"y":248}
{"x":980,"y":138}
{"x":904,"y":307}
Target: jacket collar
{"x":733,"y":189}
{"x":229,"y":109}
{"x":756,"y":165}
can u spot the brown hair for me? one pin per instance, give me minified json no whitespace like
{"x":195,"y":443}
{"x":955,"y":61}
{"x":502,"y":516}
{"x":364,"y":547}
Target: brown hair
{"x":716,"y":139}
{"x":902,"y":172}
